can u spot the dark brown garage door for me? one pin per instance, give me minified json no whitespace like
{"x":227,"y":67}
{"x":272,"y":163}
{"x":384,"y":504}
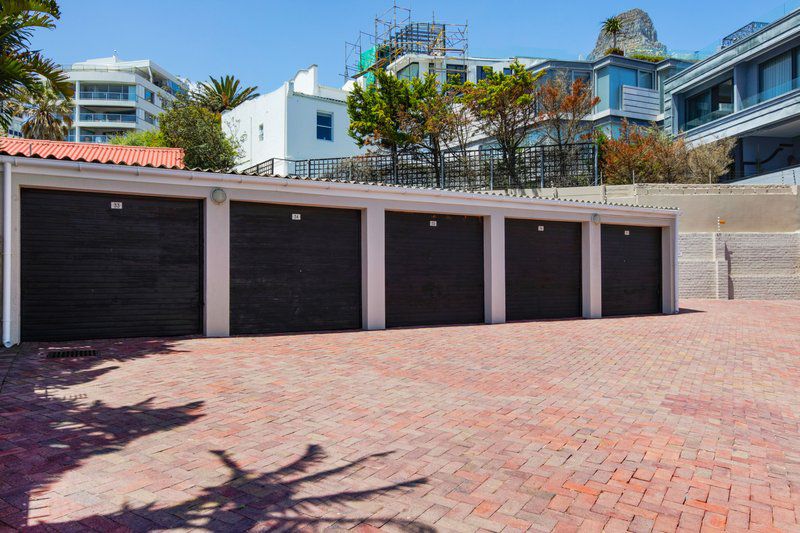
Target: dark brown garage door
{"x":109,"y":265}
{"x":294,"y":268}
{"x":434,"y":269}
{"x":543,"y":269}
{"x":631,"y":257}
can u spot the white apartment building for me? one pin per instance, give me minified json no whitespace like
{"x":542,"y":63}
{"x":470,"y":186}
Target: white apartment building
{"x":113,"y":96}
{"x":298,"y":121}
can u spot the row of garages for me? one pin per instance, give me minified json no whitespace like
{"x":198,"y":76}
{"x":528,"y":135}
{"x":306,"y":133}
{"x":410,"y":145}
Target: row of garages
{"x":115,"y":264}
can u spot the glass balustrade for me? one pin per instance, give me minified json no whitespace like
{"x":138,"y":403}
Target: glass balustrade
{"x":104,"y":95}
{"x":107,"y":117}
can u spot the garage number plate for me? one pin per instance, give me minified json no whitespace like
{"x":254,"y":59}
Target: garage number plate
{"x":541,"y":228}
{"x":433,"y":223}
{"x":116,"y":205}
{"x":295,"y":216}
{"x":627,"y":232}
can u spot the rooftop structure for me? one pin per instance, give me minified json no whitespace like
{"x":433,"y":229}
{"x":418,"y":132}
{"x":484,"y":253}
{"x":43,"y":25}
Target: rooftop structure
{"x":396,"y":35}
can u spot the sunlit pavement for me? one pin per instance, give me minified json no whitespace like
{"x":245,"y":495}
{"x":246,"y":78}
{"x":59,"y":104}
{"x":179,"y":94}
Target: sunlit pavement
{"x":643,"y":423}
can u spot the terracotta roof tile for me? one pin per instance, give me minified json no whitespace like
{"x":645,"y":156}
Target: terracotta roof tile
{"x":93,"y":153}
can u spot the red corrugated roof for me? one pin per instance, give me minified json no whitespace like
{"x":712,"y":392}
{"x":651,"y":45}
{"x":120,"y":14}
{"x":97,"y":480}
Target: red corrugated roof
{"x":93,"y":153}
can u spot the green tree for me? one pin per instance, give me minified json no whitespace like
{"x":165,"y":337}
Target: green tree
{"x":193,"y":128}
{"x":379,"y":114}
{"x":46,"y":114}
{"x":222,"y":94}
{"x":504,"y":108}
{"x":22,"y":69}
{"x":199,"y":132}
{"x":431,"y":120}
{"x":612,"y":26}
{"x":150,"y":138}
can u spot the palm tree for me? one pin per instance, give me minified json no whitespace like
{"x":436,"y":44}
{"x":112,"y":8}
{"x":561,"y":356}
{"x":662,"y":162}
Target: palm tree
{"x":612,"y":26}
{"x":46,"y":113}
{"x":223,"y":94}
{"x":22,"y":69}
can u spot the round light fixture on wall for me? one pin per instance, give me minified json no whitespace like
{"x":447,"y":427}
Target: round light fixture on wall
{"x":218,"y":196}
{"x":595,"y":218}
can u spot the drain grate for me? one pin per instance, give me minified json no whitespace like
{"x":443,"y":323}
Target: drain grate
{"x":57,"y":354}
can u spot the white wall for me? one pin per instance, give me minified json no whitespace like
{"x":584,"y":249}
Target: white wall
{"x":243,"y":123}
{"x":289,"y":117}
{"x":302,"y":142}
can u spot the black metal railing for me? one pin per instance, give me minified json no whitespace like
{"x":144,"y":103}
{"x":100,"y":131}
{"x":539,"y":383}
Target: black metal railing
{"x":534,"y":167}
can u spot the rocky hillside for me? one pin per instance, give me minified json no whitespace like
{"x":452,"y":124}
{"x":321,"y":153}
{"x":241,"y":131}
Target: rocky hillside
{"x":638,"y":35}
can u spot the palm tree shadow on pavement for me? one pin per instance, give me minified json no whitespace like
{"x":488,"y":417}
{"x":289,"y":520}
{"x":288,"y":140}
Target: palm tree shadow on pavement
{"x":272,"y":500}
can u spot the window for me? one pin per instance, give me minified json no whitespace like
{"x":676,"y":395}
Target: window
{"x":409,"y":72}
{"x":456,"y":74}
{"x":260,"y":132}
{"x":584,"y":75}
{"x":507,"y":71}
{"x":711,"y":104}
{"x":324,"y":126}
{"x":775,"y":76}
{"x":645,"y":79}
{"x":482,"y":72}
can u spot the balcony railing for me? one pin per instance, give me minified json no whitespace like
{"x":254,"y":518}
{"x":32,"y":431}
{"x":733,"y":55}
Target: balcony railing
{"x":535,"y":167}
{"x":644,"y":102}
{"x":101,"y":95}
{"x":771,"y":93}
{"x":107,"y":117}
{"x":100,"y":139}
{"x":708,"y":117}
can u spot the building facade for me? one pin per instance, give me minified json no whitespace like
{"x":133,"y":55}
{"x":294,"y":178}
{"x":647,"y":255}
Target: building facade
{"x":300,"y":120}
{"x":749,"y":90}
{"x":628,"y":88}
{"x":114,"y":97}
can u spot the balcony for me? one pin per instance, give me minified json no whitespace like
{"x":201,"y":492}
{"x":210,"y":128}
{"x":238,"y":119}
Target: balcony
{"x":641,"y":103}
{"x":97,"y":139}
{"x":107,"y":117}
{"x":111,"y":96}
{"x":709,"y":117}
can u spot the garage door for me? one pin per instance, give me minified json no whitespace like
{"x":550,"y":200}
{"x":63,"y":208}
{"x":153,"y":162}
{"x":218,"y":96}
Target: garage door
{"x":434,"y":269}
{"x":294,"y":268}
{"x":108,"y":265}
{"x":631,"y":258}
{"x":543,"y":269}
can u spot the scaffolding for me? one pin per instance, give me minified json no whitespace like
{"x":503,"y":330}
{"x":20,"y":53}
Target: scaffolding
{"x":395,"y":35}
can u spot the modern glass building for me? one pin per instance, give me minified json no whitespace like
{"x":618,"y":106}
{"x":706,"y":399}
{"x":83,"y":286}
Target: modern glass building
{"x":750,"y":90}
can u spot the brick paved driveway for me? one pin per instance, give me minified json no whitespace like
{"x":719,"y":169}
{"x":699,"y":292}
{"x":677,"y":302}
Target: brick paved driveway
{"x":647,"y":423}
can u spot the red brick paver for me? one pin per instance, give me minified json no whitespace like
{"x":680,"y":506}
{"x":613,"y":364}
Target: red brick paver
{"x":658,"y":423}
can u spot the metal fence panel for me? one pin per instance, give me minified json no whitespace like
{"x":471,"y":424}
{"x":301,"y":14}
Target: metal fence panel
{"x":471,"y":170}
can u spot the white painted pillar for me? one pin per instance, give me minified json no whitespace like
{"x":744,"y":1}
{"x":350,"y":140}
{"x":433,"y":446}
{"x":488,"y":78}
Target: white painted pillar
{"x":373,"y":268}
{"x":217,"y":271}
{"x":494,"y":268}
{"x":669,"y":268}
{"x":7,"y":240}
{"x":591,"y":259}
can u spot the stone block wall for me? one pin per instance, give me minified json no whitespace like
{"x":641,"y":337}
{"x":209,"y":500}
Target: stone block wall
{"x":740,"y":265}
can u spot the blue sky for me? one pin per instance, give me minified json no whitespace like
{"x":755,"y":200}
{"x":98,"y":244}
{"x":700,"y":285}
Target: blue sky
{"x":265,"y":41}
